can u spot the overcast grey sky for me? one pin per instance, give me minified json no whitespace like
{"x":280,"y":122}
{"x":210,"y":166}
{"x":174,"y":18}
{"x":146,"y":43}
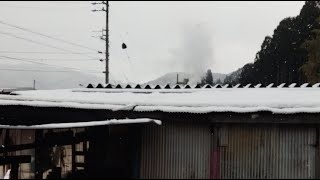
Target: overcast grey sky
{"x":162,"y":37}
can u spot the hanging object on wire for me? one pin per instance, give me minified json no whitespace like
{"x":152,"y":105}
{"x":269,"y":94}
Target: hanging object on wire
{"x":124,"y":46}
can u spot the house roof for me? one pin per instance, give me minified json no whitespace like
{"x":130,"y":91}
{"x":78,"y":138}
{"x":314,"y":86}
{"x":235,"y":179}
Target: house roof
{"x":278,"y":100}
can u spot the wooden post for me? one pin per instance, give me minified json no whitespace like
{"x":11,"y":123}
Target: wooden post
{"x":39,"y":141}
{"x":317,"y":156}
{"x":215,"y":154}
{"x":73,"y":156}
{"x":14,"y":171}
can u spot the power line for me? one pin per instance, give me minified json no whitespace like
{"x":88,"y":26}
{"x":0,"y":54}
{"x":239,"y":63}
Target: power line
{"x":29,"y":70}
{"x":35,"y":52}
{"x":36,"y":42}
{"x":47,"y":36}
{"x":29,"y":61}
{"x":56,"y":59}
{"x":39,"y":7}
{"x":18,"y":59}
{"x":62,"y":2}
{"x":37,"y":70}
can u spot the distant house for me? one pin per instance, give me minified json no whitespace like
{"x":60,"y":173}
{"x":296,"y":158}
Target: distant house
{"x":184,"y":82}
{"x":142,"y":132}
{"x":10,"y":90}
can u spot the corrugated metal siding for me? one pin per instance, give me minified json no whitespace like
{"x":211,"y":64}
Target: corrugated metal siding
{"x":267,"y":152}
{"x":179,"y":151}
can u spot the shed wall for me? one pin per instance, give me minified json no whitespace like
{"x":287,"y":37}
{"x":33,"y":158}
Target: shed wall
{"x":266,"y":152}
{"x":176,"y":150}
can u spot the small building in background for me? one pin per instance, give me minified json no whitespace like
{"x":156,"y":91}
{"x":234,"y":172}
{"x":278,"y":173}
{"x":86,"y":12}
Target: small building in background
{"x":184,"y":82}
{"x":10,"y":90}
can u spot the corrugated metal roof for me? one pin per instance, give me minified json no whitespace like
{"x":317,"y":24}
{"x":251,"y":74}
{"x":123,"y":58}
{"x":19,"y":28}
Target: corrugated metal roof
{"x":206,"y":86}
{"x":283,"y":99}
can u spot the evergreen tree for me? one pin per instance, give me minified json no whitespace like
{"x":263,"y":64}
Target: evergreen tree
{"x":209,"y":77}
{"x":203,"y":81}
{"x":311,"y":68}
{"x":218,"y":82}
{"x":282,"y":55}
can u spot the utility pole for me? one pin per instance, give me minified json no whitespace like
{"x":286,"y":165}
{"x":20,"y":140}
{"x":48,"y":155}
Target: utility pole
{"x":106,"y":3}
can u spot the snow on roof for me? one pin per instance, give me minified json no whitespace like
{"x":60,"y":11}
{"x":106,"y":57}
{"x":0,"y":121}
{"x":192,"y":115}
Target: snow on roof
{"x":192,"y":100}
{"x":84,"y":124}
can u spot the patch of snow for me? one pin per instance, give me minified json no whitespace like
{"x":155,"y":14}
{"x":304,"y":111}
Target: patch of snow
{"x":292,"y":85}
{"x":247,"y":86}
{"x":258,"y":85}
{"x":304,"y":85}
{"x":236,"y":86}
{"x":226,"y":86}
{"x":316,"y":85}
{"x":7,"y":176}
{"x":270,"y":85}
{"x":318,"y":4}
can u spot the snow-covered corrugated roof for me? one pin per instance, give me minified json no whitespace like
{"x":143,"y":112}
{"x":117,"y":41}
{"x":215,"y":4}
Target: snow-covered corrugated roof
{"x":279,"y":100}
{"x":187,"y":86}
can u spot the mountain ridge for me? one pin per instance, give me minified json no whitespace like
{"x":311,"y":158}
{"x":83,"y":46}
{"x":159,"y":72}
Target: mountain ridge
{"x":171,"y":78}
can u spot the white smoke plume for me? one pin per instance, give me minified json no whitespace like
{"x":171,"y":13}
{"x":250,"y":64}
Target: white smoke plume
{"x":195,"y":55}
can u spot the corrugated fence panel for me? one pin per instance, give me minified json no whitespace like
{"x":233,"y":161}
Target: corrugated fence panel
{"x":267,"y":152}
{"x":176,"y":150}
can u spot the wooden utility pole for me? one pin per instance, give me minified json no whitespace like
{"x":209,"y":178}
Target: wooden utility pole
{"x":106,"y":3}
{"x":107,"y":43}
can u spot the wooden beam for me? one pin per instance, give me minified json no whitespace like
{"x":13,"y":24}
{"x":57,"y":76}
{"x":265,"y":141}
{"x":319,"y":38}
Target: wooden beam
{"x":38,"y":167}
{"x":12,"y":148}
{"x":4,"y":160}
{"x":73,"y":156}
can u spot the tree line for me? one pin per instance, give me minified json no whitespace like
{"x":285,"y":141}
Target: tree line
{"x":291,"y":55}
